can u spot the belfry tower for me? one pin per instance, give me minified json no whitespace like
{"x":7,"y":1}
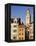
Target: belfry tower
{"x":28,"y":21}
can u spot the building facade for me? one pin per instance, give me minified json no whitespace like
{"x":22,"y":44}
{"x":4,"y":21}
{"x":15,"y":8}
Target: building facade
{"x":14,"y":29}
{"x":21,"y":31}
{"x":31,"y":32}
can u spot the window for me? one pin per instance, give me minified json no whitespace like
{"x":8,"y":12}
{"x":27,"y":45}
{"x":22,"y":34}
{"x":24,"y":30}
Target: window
{"x":20,"y":29}
{"x":22,"y":38}
{"x":14,"y":31}
{"x":14,"y":37}
{"x":19,"y":33}
{"x":31,"y":36}
{"x":15,"y":26}
{"x":22,"y":33}
{"x":19,"y":38}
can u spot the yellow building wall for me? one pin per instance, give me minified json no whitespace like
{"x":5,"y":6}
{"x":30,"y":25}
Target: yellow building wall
{"x":21,"y":33}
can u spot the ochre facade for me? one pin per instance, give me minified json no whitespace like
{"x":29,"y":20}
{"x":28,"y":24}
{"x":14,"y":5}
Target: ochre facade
{"x":21,"y":33}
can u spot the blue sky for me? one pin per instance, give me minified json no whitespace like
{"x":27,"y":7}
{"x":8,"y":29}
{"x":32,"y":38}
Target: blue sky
{"x":20,"y":11}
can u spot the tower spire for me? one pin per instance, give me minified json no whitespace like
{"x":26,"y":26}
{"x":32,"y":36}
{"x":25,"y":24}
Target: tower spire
{"x":28,"y":12}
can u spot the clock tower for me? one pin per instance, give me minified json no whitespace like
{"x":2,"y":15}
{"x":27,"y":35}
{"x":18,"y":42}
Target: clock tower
{"x":28,"y":21}
{"x":27,"y":17}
